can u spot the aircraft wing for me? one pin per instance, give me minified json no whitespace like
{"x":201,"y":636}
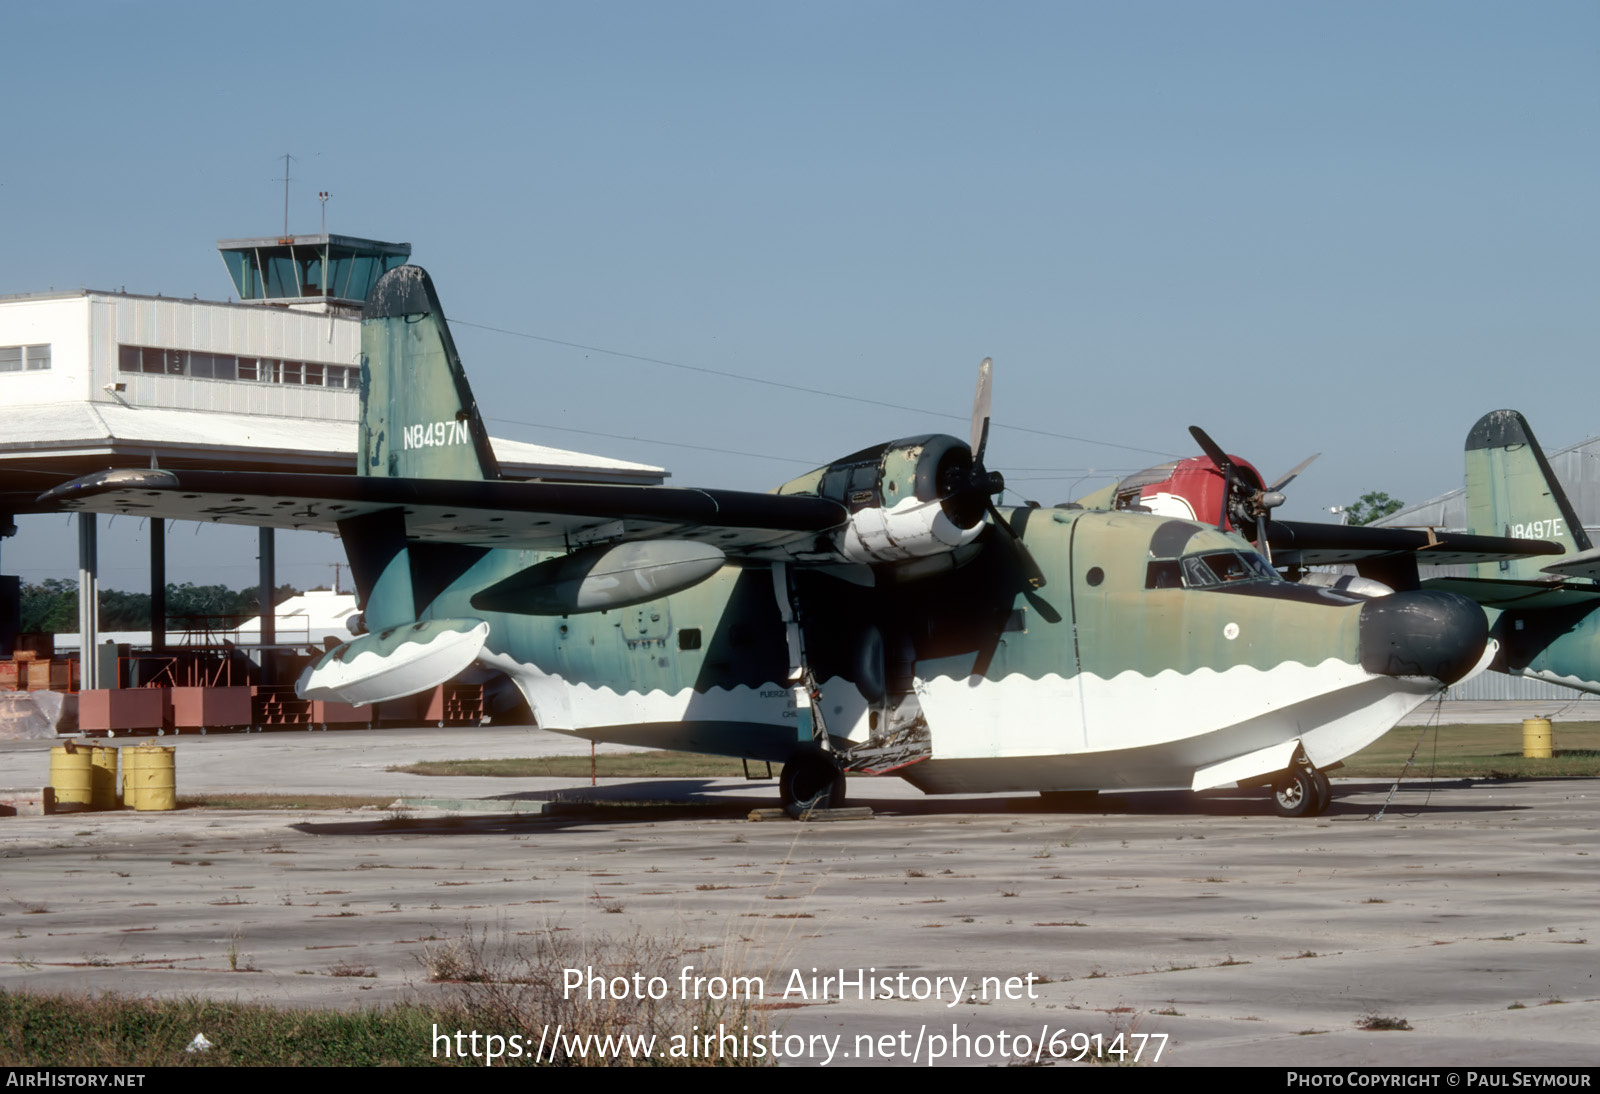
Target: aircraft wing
{"x":493,"y":513}
{"x":1308,"y":544}
{"x":1519,"y":595}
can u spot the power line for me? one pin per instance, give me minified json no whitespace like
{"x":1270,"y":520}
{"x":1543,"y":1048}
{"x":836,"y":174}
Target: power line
{"x":669,"y":444}
{"x":795,"y":387}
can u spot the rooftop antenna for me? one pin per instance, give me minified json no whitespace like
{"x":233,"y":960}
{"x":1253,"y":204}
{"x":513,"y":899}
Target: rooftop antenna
{"x":286,"y":159}
{"x":322,"y":196}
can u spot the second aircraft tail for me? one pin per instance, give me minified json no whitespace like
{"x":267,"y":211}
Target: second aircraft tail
{"x":1511,"y":491}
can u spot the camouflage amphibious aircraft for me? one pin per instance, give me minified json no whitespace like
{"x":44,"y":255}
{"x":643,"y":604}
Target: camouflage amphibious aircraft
{"x":879,"y":614}
{"x":1545,"y":614}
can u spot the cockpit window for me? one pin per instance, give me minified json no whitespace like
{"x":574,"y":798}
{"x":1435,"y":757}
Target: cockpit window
{"x":1215,"y":569}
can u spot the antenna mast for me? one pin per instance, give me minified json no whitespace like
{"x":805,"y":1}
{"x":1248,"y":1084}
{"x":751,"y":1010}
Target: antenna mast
{"x":286,"y":159}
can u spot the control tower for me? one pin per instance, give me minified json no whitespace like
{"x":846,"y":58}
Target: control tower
{"x":326,"y":273}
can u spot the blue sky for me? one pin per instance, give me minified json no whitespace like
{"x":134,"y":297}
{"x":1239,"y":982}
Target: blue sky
{"x":1349,"y":228}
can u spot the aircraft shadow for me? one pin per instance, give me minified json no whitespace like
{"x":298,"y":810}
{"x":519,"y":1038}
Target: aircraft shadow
{"x":707,"y":799}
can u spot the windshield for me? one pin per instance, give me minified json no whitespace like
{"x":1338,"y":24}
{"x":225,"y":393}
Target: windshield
{"x":1214,"y":569}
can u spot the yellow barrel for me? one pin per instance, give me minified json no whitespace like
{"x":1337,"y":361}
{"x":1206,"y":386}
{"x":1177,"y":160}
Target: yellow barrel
{"x":1536,"y":738}
{"x":71,"y":774}
{"x":129,"y":782}
{"x":103,"y":760}
{"x":150,"y":778}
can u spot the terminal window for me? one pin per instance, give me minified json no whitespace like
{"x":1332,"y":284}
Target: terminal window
{"x":225,"y":366}
{"x":24,"y":358}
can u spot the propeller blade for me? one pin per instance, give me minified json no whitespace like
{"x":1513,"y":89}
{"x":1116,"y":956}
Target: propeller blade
{"x":1211,"y":448}
{"x":1261,"y":537}
{"x":980,"y":410}
{"x":1290,"y":476}
{"x":1225,"y":465}
{"x":1030,"y":567}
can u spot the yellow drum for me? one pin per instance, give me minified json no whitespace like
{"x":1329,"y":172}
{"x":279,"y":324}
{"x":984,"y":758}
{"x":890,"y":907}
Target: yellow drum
{"x":1536,"y":738}
{"x":72,"y":776}
{"x":149,"y":778}
{"x":103,"y":761}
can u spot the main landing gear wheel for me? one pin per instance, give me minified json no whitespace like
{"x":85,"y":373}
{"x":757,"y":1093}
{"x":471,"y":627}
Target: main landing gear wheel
{"x":1297,"y":793}
{"x":1324,"y":791}
{"x":810,"y":781}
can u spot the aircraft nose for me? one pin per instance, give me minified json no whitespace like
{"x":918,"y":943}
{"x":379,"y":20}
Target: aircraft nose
{"x":1424,"y":633}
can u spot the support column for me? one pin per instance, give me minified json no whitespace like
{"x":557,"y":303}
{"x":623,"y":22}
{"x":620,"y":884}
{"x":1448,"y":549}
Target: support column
{"x":10,"y":596}
{"x":88,"y":600}
{"x":267,"y":581}
{"x":269,"y":619}
{"x":158,"y":583}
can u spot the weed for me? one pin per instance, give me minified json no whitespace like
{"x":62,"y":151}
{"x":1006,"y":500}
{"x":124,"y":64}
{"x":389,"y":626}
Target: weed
{"x":1230,"y":961}
{"x":1378,"y":1022}
{"x":1008,"y":892}
{"x":29,"y":908}
{"x":522,"y":983}
{"x":459,"y":961}
{"x":1043,"y":852}
{"x":236,"y":963}
{"x":914,"y":872}
{"x":345,"y":968}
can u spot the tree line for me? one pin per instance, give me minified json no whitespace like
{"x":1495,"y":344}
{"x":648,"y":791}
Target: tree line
{"x":51,"y":607}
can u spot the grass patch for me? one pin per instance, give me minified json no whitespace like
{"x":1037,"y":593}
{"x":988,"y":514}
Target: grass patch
{"x":282,"y":801}
{"x":491,"y":982}
{"x":624,"y":765}
{"x":113,"y":1031}
{"x":1478,"y":752}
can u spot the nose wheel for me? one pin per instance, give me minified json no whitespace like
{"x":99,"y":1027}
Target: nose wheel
{"x":810,"y":781}
{"x":1302,"y":792}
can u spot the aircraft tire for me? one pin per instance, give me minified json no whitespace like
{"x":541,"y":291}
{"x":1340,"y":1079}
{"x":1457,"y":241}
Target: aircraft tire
{"x":1295,"y":794}
{"x":1324,"y":791}
{"x":810,"y":781}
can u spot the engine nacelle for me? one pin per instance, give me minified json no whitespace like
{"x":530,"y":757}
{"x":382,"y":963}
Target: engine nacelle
{"x":909,"y":498}
{"x":912,"y":529}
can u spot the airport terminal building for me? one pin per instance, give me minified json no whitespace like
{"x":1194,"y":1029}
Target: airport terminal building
{"x":266,"y":381}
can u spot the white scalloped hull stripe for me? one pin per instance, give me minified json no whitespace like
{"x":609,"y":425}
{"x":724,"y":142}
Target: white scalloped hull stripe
{"x":1338,"y":702}
{"x":560,"y":705}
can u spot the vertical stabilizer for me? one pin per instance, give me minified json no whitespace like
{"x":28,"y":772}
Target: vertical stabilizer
{"x":418,"y":417}
{"x":1511,"y":491}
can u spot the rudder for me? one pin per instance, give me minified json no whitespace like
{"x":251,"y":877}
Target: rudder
{"x":418,"y":417}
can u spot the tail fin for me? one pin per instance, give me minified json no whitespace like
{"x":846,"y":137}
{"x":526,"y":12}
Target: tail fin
{"x":418,"y":417}
{"x":1511,"y":491}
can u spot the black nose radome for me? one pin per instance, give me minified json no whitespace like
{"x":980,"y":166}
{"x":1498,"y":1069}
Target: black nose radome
{"x":1434,"y":634}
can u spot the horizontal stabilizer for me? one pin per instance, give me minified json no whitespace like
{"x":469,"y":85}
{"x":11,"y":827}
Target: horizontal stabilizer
{"x":1335,"y":544}
{"x":1583,"y":564}
{"x":393,"y":663}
